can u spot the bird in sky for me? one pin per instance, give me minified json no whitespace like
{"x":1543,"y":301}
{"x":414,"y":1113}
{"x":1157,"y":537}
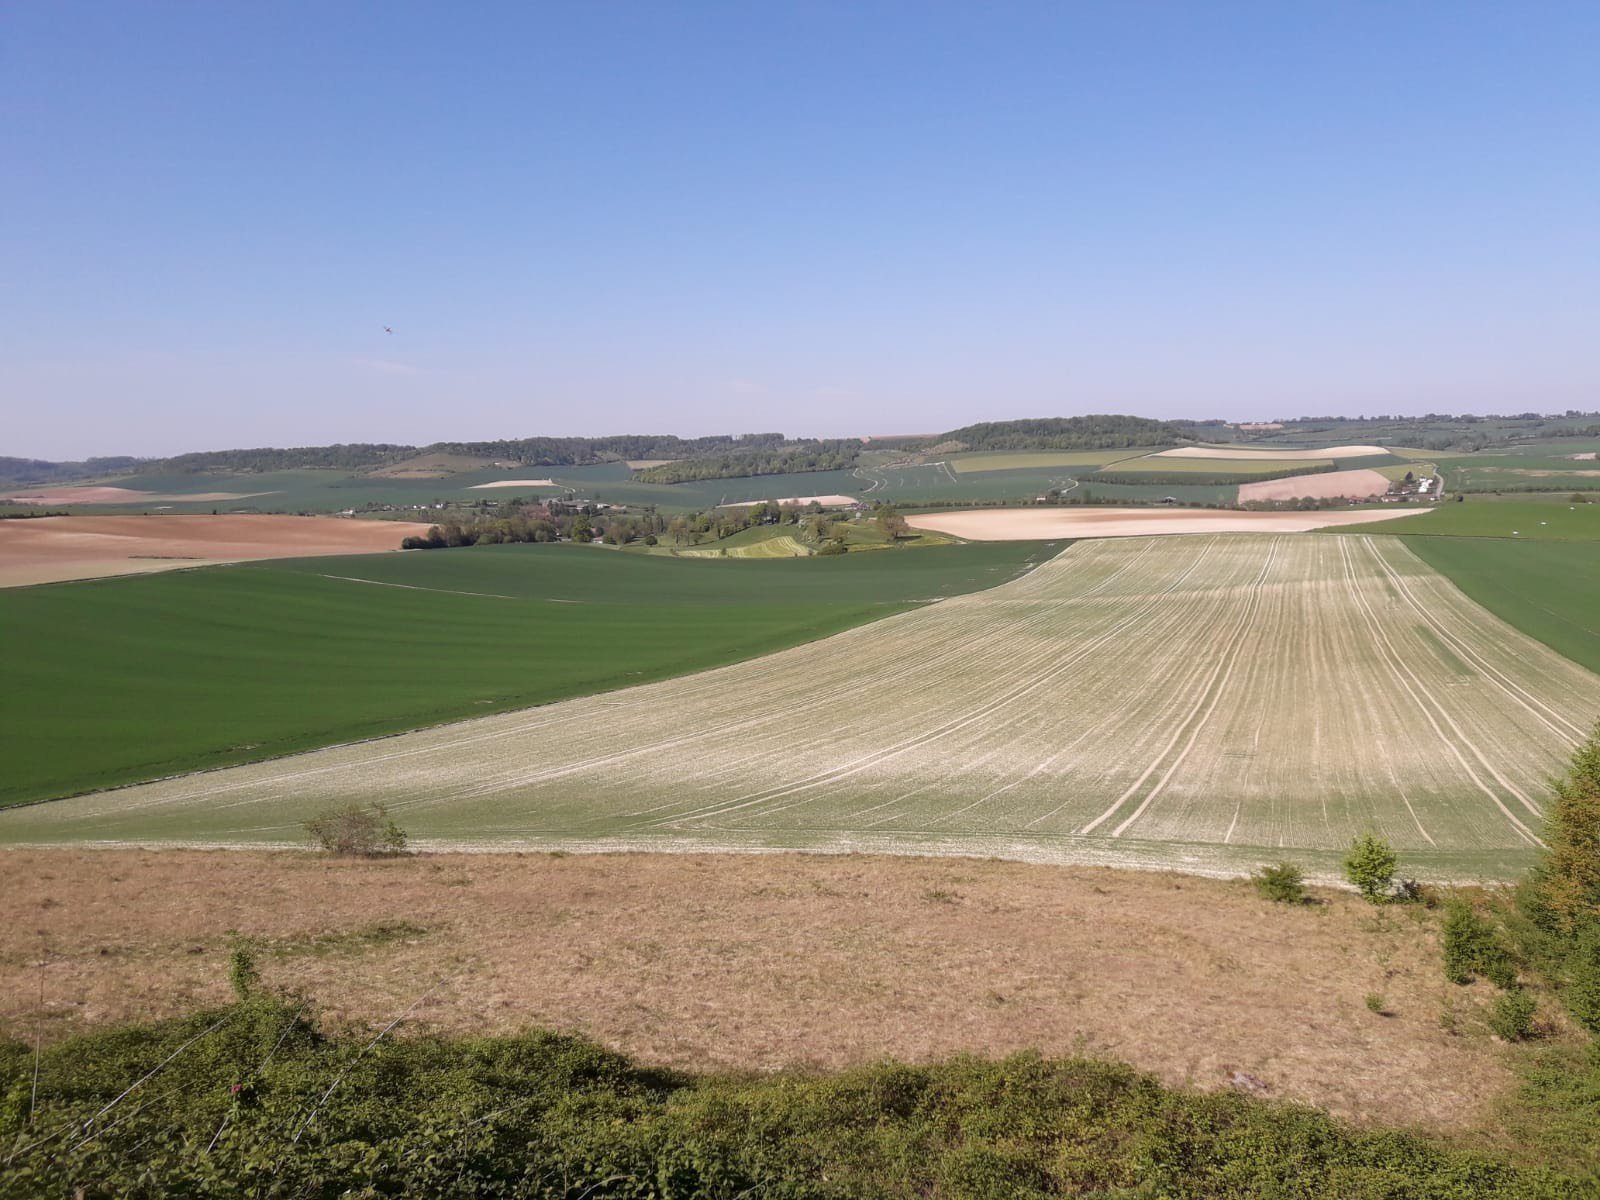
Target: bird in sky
{"x":386,"y":329}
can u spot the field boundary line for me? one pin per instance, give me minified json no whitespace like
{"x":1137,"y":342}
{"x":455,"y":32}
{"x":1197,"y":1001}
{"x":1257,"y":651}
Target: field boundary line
{"x":1552,"y":720}
{"x":1398,"y":668}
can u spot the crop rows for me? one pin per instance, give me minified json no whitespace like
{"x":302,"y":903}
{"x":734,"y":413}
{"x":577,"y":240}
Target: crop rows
{"x":1207,"y":701}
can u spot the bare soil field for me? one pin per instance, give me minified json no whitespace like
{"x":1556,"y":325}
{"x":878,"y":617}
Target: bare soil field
{"x":1271,"y":452}
{"x":55,"y":549}
{"x":1352,"y":485}
{"x":1050,"y":523}
{"x":86,"y":494}
{"x":762,"y":962}
{"x":509,"y":483}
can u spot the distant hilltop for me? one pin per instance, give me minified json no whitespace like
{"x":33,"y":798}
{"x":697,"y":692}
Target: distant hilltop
{"x":667,"y":458}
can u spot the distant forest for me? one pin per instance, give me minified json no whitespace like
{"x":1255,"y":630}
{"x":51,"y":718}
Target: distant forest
{"x":833,"y":455}
{"x":1066,"y":433}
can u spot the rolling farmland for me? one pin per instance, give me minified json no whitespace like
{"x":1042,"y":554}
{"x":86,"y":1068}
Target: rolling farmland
{"x":199,"y":669}
{"x":1203,"y":702}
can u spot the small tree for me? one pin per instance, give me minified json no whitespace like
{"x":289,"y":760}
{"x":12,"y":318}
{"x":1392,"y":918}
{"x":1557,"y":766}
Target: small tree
{"x":356,"y":830}
{"x":1568,"y":883}
{"x":1370,"y":867}
{"x":1284,"y":883}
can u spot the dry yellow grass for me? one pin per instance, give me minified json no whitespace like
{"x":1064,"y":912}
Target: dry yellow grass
{"x":770,"y":961}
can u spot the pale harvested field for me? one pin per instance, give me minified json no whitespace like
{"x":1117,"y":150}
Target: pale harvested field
{"x":834,"y":500}
{"x":508,"y":483}
{"x":1049,"y":523}
{"x":1200,"y":703}
{"x":55,"y":549}
{"x":1273,"y":452}
{"x":87,"y":494}
{"x":772,"y":961}
{"x":1355,"y":485}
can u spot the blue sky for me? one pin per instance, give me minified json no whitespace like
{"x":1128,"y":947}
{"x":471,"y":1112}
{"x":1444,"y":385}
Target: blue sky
{"x":825,"y":218}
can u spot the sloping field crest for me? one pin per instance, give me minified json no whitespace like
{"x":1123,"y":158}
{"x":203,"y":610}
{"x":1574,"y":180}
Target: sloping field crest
{"x":1210,"y":703}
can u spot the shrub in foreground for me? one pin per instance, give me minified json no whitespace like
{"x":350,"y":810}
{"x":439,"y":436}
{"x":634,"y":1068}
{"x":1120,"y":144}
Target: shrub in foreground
{"x":256,"y":1101}
{"x":1284,"y":883}
{"x":364,"y":830}
{"x":1471,"y":948}
{"x":1512,"y":1016}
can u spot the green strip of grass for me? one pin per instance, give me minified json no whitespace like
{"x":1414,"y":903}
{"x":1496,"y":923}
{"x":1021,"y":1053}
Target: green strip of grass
{"x":116,"y":681}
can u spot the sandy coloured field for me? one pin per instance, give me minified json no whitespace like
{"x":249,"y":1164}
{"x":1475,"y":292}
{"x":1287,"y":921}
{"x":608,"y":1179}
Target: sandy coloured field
{"x":1048,"y":523}
{"x":833,"y":501}
{"x":1352,"y":485}
{"x":55,"y":549}
{"x":1272,"y":452}
{"x":505,"y":483}
{"x":49,"y":497}
{"x":761,"y":962}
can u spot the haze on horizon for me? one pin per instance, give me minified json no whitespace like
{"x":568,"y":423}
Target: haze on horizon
{"x":822,"y":218}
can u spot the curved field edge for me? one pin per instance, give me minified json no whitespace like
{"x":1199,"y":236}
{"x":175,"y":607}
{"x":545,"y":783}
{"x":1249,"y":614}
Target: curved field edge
{"x":1200,"y":703}
{"x":120,"y":681}
{"x":1550,"y":590}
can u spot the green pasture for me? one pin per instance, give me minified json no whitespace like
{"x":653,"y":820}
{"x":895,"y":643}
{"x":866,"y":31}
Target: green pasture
{"x":1244,"y":468}
{"x":115,"y":681}
{"x":1017,"y":460}
{"x":1554,"y":519}
{"x":1547,"y":589}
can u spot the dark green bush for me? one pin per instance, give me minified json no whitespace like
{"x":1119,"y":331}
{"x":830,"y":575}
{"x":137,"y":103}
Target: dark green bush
{"x":1471,"y":948}
{"x":1512,"y":1015}
{"x":1582,"y":992}
{"x":1284,"y":883}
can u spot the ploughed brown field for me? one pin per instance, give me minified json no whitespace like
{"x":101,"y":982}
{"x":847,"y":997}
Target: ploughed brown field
{"x":54,"y":549}
{"x":765,"y":962}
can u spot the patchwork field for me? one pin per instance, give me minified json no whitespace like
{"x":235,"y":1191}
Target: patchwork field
{"x":54,"y":549}
{"x":1205,"y":703}
{"x":196,"y":669}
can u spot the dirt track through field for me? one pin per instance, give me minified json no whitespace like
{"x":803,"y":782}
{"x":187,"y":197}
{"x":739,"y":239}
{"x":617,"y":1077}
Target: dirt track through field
{"x":1207,"y":703}
{"x":760,"y":962}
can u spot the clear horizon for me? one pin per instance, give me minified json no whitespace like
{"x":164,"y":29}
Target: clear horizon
{"x":827,"y":219}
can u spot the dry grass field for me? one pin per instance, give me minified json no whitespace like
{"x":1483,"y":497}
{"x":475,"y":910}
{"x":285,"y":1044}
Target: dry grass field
{"x":763,"y":962}
{"x":56,"y":549}
{"x":1054,"y":522}
{"x":1246,"y":453}
{"x":1354,"y":485}
{"x":1191,"y":702}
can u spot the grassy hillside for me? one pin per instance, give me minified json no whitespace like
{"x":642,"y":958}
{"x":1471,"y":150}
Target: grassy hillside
{"x":203,"y":668}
